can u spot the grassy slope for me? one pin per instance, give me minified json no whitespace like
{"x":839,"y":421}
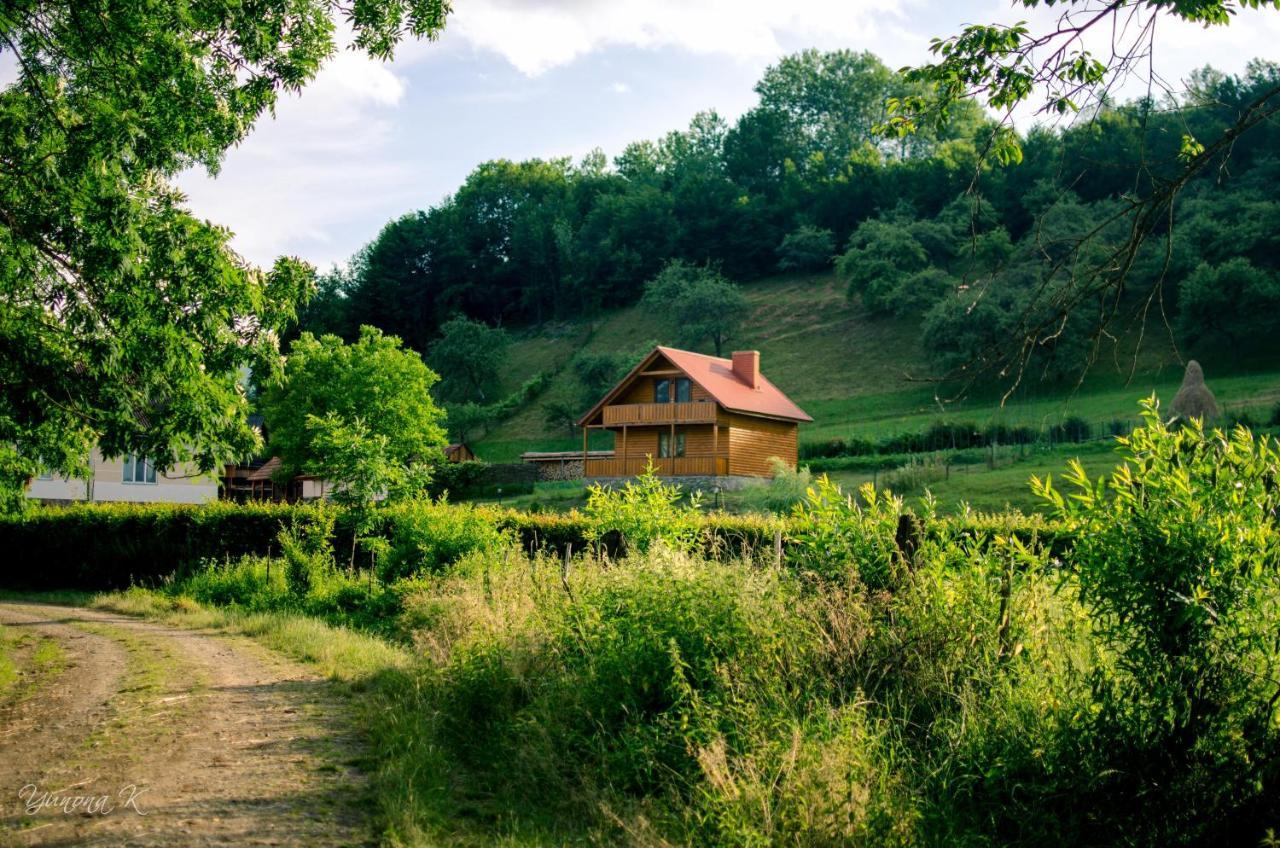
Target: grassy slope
{"x":853,"y":374}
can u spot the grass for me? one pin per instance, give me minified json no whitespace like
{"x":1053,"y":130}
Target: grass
{"x":987,"y":489}
{"x":858,"y":375}
{"x":27,"y":660}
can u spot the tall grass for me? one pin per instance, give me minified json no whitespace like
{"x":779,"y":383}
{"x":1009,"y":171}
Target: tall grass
{"x":882,"y":686}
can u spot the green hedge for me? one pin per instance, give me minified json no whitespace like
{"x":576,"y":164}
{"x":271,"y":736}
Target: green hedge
{"x":108,"y":546}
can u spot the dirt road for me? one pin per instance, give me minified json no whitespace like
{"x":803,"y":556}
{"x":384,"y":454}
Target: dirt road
{"x":129,"y":732}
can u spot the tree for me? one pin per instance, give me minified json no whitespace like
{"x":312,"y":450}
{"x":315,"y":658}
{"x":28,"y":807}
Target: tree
{"x":1235,"y":302}
{"x":703,"y":305}
{"x":332,"y":393}
{"x":469,"y":356}
{"x":1008,"y":67}
{"x":807,"y":248}
{"x":123,"y":319}
{"x":362,"y":468}
{"x":468,"y":420}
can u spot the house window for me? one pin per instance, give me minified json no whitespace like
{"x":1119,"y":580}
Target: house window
{"x":664,"y":445}
{"x":684,"y":390}
{"x":662,"y":391}
{"x":138,"y":469}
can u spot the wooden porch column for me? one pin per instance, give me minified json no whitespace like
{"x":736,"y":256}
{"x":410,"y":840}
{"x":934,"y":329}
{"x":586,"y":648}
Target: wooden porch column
{"x":584,"y":450}
{"x":672,"y":458}
{"x":624,"y":449}
{"x":715,"y":448}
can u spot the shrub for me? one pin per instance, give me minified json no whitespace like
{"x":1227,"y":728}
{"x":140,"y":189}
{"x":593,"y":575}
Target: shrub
{"x":837,"y":536}
{"x":430,"y":535}
{"x":307,"y":550}
{"x":643,"y":512}
{"x":1073,"y":429}
{"x":110,"y":546}
{"x":781,"y":492}
{"x":807,"y":248}
{"x":1176,"y":557}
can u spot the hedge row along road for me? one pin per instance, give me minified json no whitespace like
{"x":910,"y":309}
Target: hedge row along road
{"x":118,"y":731}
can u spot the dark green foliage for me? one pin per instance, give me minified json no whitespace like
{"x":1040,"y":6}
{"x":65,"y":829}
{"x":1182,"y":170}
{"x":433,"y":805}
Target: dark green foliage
{"x":104,"y":546}
{"x":1000,"y":278}
{"x":464,"y":480}
{"x":702,"y":306}
{"x":1235,"y":304}
{"x":469,"y":357}
{"x":807,"y":248}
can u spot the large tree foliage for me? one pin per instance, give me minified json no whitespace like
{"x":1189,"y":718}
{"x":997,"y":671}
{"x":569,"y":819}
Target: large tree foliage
{"x":123,"y":319}
{"x":701,"y":305}
{"x":469,"y":356}
{"x":1074,"y":67}
{"x":527,"y":242}
{"x":333,"y":392}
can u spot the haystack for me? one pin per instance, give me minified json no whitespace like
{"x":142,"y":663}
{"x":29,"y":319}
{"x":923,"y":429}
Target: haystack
{"x":1194,"y":400}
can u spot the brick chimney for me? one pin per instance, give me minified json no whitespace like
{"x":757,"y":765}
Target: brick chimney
{"x":746,"y":366}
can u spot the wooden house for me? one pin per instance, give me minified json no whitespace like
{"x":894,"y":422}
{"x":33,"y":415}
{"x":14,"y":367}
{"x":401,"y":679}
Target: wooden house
{"x":695,"y":416}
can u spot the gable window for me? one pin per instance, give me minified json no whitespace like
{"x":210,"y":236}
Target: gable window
{"x":666,"y":449}
{"x":138,"y":469}
{"x":684,"y":390}
{"x":662,"y":391}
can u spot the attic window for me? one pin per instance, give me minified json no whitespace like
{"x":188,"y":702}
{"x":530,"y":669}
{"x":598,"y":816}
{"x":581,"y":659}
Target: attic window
{"x":662,"y":391}
{"x":684,"y":390}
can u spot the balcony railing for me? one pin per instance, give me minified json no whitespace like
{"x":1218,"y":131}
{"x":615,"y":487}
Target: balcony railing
{"x":689,"y":412}
{"x":679,"y":466}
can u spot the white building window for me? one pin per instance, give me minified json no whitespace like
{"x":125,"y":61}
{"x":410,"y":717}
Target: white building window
{"x":138,"y":469}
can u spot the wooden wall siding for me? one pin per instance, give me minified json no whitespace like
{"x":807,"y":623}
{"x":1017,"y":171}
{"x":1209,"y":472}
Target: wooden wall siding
{"x":641,"y":390}
{"x":700,"y":466}
{"x":752,"y":441}
{"x":642,"y":441}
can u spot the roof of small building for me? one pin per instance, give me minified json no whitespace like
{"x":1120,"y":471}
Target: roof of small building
{"x":270,"y":467}
{"x":717,"y":377}
{"x":562,"y":456}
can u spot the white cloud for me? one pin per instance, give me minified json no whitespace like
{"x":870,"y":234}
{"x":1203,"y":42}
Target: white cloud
{"x":315,"y":165}
{"x":620,"y":88}
{"x":537,"y":35}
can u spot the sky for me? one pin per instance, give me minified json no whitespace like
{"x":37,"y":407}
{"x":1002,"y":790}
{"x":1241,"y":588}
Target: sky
{"x":368,"y":141}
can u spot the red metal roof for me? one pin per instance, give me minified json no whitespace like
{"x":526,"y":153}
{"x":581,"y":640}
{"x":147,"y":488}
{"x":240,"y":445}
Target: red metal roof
{"x":716,"y":376}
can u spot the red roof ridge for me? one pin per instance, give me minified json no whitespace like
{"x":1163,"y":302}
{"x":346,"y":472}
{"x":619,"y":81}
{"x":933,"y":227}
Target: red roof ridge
{"x":716,"y":376}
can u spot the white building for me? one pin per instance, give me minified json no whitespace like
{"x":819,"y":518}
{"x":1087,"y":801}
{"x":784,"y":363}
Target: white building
{"x":127,"y":478}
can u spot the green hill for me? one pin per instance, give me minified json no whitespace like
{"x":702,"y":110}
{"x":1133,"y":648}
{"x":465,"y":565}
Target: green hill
{"x":860,"y":376}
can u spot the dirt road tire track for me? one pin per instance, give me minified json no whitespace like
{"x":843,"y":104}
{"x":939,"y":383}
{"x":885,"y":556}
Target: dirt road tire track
{"x":229,"y":744}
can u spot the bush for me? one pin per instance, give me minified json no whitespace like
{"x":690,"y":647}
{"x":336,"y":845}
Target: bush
{"x":1176,"y":559}
{"x":808,"y":248}
{"x":836,"y":536}
{"x":1072,"y":429}
{"x":428,"y":536}
{"x":785,"y":489}
{"x":110,"y":546}
{"x":643,"y":512}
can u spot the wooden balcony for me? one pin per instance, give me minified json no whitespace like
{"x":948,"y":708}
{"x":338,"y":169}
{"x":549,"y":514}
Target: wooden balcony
{"x":694,"y":412}
{"x":680,"y":466}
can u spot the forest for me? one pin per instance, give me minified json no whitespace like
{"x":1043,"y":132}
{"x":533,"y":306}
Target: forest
{"x":927,"y":227}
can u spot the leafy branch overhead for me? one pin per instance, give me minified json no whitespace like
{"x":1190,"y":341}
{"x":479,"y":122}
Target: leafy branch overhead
{"x":1056,"y":72}
{"x":126,"y":322}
